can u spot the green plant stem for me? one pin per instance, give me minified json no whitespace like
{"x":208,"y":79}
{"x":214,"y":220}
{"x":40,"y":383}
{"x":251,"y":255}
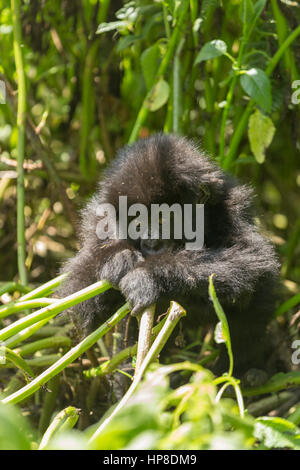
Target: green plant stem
{"x":174,"y":315}
{"x":52,"y":310}
{"x":44,"y":289}
{"x":88,"y":101}
{"x":25,"y":333}
{"x":46,"y":343}
{"x":16,"y":360}
{"x":166,"y":22}
{"x":109,"y":366}
{"x":282,"y":29}
{"x":278,"y":382}
{"x":27,"y":304}
{"x":271,"y":402}
{"x":225,"y":116}
{"x":235,"y":384}
{"x":222,"y":317}
{"x":67,"y":418}
{"x":69,"y":357}
{"x":173,"y":41}
{"x":145,"y":321}
{"x":49,"y":404}
{"x":290,"y":303}
{"x":41,"y":361}
{"x":295,"y":416}
{"x":21,"y":117}
{"x":292,"y":245}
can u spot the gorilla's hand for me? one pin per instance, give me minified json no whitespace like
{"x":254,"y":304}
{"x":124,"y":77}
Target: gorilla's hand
{"x":119,"y":264}
{"x":140,"y":289}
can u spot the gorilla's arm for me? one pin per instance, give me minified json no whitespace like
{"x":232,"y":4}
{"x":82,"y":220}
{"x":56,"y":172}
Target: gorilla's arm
{"x":237,"y":269}
{"x":95,"y":262}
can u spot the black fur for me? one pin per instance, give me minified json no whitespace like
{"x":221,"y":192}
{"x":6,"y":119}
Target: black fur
{"x":167,"y":168}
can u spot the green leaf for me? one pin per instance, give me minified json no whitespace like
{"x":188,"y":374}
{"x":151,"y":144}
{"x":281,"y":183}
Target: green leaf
{"x":150,"y":61}
{"x":246,"y":11}
{"x":14,"y":430}
{"x":210,"y":50}
{"x":257,"y":85}
{"x":105,"y":27}
{"x":158,"y":96}
{"x":260,"y":132}
{"x":258,"y":8}
{"x":277,"y":433}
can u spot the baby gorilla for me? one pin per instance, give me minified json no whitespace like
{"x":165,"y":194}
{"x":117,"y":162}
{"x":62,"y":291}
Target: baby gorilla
{"x":170,"y":169}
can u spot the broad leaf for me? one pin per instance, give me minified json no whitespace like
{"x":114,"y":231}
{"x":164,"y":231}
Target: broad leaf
{"x":277,"y":433}
{"x":260,"y":132}
{"x":246,"y":11}
{"x":159,"y":95}
{"x":149,"y":61}
{"x":257,"y":85}
{"x":210,"y":50}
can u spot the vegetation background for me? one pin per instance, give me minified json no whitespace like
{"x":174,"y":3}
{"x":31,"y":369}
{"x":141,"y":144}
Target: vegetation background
{"x":79,"y":79}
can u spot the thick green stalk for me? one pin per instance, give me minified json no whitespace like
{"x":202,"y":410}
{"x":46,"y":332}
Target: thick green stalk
{"x":51,"y":310}
{"x":86,"y":162}
{"x":16,"y":360}
{"x":24,"y":334}
{"x":275,"y":384}
{"x":27,"y":304}
{"x":21,"y":116}
{"x":88,"y":101}
{"x":45,"y":343}
{"x":225,"y":116}
{"x":177,"y":90}
{"x":175,"y":313}
{"x":44,"y":289}
{"x":69,"y":357}
{"x":288,"y":305}
{"x":144,"y":110}
{"x":110,"y":366}
{"x":12,"y":287}
{"x":282,"y":30}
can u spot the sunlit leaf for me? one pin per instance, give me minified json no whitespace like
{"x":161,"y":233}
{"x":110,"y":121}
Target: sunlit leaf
{"x":257,"y":85}
{"x":277,"y":433}
{"x":159,"y":95}
{"x":260,"y":132}
{"x":210,"y":50}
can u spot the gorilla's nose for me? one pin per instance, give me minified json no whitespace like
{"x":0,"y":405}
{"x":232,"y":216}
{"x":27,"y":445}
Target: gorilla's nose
{"x":152,"y":246}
